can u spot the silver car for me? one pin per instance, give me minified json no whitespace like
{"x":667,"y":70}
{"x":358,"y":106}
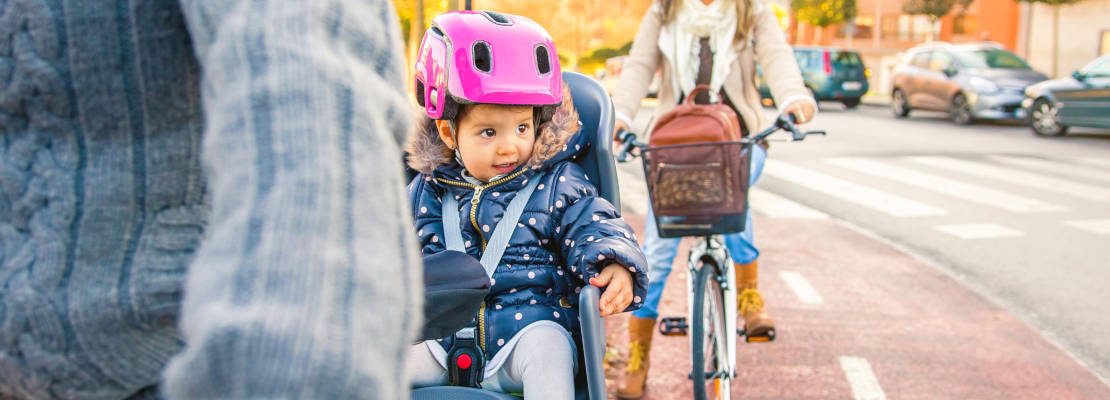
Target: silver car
{"x":971,"y":82}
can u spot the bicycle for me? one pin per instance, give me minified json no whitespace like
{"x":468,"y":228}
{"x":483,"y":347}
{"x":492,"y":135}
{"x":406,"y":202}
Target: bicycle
{"x":711,"y":287}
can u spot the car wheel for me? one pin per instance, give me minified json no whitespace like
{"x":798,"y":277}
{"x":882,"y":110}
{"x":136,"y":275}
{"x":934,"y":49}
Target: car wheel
{"x":899,"y":104}
{"x":851,"y":102}
{"x":961,"y":111}
{"x":1045,"y":119}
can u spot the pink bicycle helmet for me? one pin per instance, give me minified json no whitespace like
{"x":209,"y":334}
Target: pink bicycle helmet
{"x":483,"y":57}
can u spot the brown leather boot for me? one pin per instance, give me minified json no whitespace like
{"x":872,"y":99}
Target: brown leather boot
{"x":640,"y":331}
{"x":758,"y":326}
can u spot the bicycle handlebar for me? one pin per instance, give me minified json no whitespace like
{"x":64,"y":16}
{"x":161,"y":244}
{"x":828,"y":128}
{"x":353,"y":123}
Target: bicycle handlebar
{"x":628,"y":141}
{"x":782,"y":122}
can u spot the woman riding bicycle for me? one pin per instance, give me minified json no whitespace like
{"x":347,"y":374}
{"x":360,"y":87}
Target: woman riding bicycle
{"x":717,"y":43}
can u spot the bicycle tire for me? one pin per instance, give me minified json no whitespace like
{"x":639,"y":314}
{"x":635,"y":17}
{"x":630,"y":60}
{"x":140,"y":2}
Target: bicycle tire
{"x":705,"y":376}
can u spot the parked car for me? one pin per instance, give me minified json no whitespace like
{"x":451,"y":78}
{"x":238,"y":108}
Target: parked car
{"x":969,"y":81}
{"x":1083,"y":99}
{"x":829,"y":74}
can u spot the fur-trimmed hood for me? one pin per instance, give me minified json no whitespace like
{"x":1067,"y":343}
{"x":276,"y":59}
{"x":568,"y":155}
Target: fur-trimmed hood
{"x":558,"y":140}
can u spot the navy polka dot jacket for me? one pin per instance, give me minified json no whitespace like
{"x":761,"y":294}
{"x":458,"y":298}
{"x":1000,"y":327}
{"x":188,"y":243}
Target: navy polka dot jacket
{"x":566,"y":234}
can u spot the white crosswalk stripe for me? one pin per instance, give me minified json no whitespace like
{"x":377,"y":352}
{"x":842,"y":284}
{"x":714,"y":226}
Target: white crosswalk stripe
{"x":979,"y":231}
{"x":942,"y":178}
{"x":950,"y":187}
{"x":1055,"y":167}
{"x":1099,"y":226}
{"x":1016,"y":177}
{"x":775,"y":206}
{"x":862,"y":195}
{"x":1100,"y":162}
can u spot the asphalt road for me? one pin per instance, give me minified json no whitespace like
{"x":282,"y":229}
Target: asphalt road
{"x":1022,"y":222}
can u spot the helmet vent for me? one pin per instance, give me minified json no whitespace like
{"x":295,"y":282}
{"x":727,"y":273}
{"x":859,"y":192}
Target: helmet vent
{"x":436,"y":31}
{"x":482,"y":57}
{"x":543,"y":60}
{"x":497,"y":18}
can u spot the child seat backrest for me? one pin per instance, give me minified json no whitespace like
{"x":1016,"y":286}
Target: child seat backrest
{"x":595,"y":111}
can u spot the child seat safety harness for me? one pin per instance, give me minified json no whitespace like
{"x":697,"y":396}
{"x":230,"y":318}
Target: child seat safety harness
{"x":465,"y":358}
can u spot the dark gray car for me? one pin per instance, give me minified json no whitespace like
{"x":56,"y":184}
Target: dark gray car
{"x":969,"y":81}
{"x":1082,"y":99}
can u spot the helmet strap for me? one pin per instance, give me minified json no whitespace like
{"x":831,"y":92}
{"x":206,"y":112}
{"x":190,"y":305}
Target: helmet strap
{"x":455,"y":138}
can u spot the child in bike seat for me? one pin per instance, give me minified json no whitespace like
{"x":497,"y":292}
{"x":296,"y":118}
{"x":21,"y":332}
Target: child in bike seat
{"x":501,"y":126}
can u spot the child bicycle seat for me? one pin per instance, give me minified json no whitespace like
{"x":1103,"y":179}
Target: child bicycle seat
{"x":595,"y":111}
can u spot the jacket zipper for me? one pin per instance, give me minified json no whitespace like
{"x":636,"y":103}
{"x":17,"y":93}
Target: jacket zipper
{"x":474,"y":200}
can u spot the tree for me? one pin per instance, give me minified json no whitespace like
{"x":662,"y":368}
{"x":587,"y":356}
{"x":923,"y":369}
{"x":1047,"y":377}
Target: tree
{"x":579,"y":27}
{"x":823,"y":13}
{"x":934,"y":9}
{"x":1055,"y":27}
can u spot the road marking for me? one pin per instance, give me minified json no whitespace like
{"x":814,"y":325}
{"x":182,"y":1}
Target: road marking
{"x":801,"y":287}
{"x":1017,"y":177}
{"x":1099,"y":226}
{"x":1096,"y":161}
{"x":945,"y":186}
{"x":775,"y":206}
{"x":865,"y":386}
{"x":850,"y":192}
{"x":1054,"y":167}
{"x":979,"y":231}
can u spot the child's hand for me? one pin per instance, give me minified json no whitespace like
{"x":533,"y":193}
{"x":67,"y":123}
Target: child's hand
{"x":619,"y":293}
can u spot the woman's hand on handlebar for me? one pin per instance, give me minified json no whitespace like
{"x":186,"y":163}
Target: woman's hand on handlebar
{"x":802,"y":111}
{"x":618,"y":128}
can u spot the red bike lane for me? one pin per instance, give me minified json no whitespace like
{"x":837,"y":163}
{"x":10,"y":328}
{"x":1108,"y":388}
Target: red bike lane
{"x":878,"y":323}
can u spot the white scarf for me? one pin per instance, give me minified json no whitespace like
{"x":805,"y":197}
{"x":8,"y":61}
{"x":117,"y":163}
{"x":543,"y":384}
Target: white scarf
{"x":679,"y":42}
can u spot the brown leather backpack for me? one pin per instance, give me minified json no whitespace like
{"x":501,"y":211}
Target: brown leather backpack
{"x":697,"y":169}
{"x":690,"y":122}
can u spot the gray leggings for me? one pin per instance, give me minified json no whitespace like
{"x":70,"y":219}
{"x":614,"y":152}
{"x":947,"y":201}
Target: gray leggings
{"x":541,"y":365}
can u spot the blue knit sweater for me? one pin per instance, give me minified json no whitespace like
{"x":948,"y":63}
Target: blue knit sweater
{"x":208,"y":179}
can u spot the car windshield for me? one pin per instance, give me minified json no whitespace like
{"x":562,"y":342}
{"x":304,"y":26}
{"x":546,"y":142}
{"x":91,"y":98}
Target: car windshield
{"x":814,"y":59}
{"x":989,"y":58}
{"x":1098,"y":68}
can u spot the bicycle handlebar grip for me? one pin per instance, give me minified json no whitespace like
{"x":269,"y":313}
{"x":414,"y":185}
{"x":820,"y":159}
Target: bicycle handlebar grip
{"x":627,"y":140}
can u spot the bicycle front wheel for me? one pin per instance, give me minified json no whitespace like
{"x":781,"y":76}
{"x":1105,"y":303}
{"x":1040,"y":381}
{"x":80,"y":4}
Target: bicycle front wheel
{"x":708,"y":346}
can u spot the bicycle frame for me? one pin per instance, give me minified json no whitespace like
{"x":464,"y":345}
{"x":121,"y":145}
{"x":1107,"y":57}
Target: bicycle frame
{"x":711,"y":249}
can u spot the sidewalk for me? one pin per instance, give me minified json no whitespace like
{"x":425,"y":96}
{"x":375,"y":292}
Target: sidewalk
{"x":903,"y":329}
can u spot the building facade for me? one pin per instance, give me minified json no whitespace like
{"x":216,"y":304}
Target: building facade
{"x":1084,"y":35}
{"x":881,"y":31}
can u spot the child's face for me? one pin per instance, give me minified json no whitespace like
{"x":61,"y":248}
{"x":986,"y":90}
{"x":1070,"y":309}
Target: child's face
{"x":492,"y":139}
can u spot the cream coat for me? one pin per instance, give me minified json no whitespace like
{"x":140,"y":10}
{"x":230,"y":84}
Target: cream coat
{"x":765,"y":44}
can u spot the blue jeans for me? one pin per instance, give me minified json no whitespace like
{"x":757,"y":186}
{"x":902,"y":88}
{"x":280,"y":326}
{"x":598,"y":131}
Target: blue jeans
{"x":660,"y":252}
